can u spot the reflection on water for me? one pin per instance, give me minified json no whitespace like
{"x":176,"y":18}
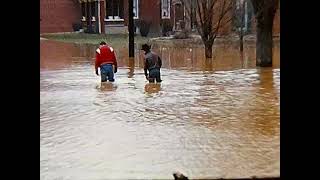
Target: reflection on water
{"x":227,"y":57}
{"x":214,"y":118}
{"x":107,"y":86}
{"x":152,"y":88}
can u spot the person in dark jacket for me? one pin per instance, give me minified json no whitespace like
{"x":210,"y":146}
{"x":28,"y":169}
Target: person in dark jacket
{"x":152,"y":63}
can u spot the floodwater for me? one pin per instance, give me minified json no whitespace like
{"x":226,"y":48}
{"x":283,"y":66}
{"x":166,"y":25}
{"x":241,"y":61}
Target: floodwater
{"x":207,"y":119}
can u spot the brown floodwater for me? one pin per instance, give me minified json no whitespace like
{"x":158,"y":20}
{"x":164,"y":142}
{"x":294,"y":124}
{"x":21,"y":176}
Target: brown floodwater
{"x":207,"y":119}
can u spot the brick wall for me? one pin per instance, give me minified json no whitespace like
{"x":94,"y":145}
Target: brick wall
{"x":58,"y":15}
{"x":149,"y":10}
{"x":151,"y":14}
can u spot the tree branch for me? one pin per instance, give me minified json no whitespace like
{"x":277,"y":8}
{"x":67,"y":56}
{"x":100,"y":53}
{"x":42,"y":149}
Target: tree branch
{"x":199,"y":13}
{"x":221,"y":15}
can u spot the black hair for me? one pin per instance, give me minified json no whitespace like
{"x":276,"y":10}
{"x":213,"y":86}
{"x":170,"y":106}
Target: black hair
{"x":146,"y":47}
{"x":103,"y":43}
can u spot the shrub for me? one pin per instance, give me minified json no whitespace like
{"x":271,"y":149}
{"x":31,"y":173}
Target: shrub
{"x":76,"y":26}
{"x":166,"y":28}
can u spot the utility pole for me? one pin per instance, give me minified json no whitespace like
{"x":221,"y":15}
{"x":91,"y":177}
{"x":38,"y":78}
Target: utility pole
{"x":131,"y":30}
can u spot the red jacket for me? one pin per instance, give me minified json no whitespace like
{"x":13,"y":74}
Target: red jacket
{"x":105,"y":55}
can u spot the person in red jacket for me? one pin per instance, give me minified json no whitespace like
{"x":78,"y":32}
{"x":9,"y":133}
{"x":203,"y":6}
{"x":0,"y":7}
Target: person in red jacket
{"x":106,"y":61}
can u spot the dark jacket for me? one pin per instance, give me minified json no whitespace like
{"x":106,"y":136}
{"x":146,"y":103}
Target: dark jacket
{"x":151,"y":61}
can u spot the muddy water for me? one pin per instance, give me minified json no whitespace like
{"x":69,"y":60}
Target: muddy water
{"x":212,"y":119}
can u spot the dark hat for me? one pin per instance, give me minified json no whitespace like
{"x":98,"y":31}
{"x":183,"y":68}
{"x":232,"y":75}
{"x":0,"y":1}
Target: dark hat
{"x":145,"y":47}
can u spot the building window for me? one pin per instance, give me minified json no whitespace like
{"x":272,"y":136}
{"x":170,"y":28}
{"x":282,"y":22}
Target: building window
{"x":136,"y":9}
{"x":93,"y":10}
{"x":83,"y":11}
{"x":114,"y":10}
{"x":165,"y":9}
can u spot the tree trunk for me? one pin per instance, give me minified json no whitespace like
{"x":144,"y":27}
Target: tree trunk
{"x":242,"y":24}
{"x":241,"y":41}
{"x":131,"y":29}
{"x":208,"y":64}
{"x":264,"y":41}
{"x":208,"y":50}
{"x":242,"y":59}
{"x":264,"y":11}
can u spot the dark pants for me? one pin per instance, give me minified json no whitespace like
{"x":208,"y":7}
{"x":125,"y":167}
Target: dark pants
{"x":154,"y":74}
{"x":106,"y":72}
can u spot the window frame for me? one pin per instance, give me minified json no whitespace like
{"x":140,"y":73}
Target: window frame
{"x":114,"y":18}
{"x":166,"y":9}
{"x":137,"y":9}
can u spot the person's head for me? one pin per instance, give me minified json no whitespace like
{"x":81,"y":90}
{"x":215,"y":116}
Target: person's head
{"x":102,"y":43}
{"x":179,"y":176}
{"x":145,"y":47}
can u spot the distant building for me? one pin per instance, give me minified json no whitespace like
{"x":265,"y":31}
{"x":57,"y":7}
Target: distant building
{"x":114,"y":14}
{"x":111,"y":16}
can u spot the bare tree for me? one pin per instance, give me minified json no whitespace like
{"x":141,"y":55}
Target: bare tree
{"x":264,"y":11}
{"x":211,"y":17}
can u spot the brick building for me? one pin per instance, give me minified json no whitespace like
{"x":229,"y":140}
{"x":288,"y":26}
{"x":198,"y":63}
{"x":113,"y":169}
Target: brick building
{"x":58,"y":15}
{"x":111,"y":16}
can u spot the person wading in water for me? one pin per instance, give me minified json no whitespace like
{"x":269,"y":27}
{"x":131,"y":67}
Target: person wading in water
{"x":106,"y":61}
{"x":152,"y":63}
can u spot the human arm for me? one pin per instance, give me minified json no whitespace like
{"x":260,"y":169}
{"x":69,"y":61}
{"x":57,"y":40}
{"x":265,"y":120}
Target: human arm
{"x":115,"y":63}
{"x":159,"y":62}
{"x":146,"y":68}
{"x":97,"y":63}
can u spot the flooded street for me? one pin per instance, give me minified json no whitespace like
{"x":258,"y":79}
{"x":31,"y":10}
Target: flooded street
{"x":207,"y":119}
